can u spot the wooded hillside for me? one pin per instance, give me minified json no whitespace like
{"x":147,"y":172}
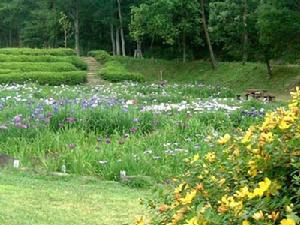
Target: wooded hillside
{"x":227,"y":30}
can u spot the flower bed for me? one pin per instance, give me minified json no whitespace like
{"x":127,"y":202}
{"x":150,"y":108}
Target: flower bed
{"x":251,"y":177}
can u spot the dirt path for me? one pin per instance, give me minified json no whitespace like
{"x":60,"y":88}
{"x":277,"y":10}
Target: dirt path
{"x":93,"y":68}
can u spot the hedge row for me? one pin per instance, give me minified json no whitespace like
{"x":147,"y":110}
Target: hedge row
{"x":114,"y":71}
{"x":30,"y":66}
{"x":76,"y":61}
{"x":100,"y":55}
{"x":50,"y":78}
{"x":30,"y":51}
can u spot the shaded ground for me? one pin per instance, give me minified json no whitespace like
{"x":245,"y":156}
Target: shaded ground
{"x":93,"y":67}
{"x":32,"y":200}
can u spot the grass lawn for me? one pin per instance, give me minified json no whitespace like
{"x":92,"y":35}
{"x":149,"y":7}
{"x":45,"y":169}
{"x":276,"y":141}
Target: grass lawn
{"x":232,"y":75}
{"x":32,"y":199}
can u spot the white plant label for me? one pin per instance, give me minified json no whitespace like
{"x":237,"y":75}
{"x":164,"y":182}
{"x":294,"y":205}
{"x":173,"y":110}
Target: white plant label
{"x":16,"y":163}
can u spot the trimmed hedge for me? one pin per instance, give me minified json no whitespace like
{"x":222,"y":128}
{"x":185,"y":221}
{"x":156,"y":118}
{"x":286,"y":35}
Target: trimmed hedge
{"x":41,"y":66}
{"x":100,"y":55}
{"x":114,"y":71}
{"x":5,"y":71}
{"x":50,"y":78}
{"x":76,"y":61}
{"x":31,"y":51}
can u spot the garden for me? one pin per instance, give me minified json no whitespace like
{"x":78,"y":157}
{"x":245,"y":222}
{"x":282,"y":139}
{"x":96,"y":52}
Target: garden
{"x":45,"y":66}
{"x":208,"y":156}
{"x":150,"y":112}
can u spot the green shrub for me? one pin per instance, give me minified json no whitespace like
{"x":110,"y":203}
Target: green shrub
{"x":41,"y":66}
{"x":100,"y":55}
{"x":50,"y":78}
{"x":4,"y":71}
{"x":76,"y":61}
{"x":31,"y":51}
{"x":79,"y":63}
{"x":244,"y":178}
{"x":114,"y":71}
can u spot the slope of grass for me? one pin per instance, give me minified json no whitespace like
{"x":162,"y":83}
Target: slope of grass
{"x":232,"y":75}
{"x":31,"y":199}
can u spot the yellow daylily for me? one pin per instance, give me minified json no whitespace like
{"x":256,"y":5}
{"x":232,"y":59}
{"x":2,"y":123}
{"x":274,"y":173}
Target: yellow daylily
{"x":189,"y":197}
{"x":258,"y":215}
{"x":195,"y":158}
{"x":288,"y":221}
{"x":245,"y":222}
{"x":224,"y":139}
{"x":193,"y":221}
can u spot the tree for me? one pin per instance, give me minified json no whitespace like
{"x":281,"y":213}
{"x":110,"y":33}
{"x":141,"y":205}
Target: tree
{"x":170,"y":21}
{"x":207,"y":36}
{"x":278,"y":24}
{"x":66,"y":25}
{"x":121,"y":28}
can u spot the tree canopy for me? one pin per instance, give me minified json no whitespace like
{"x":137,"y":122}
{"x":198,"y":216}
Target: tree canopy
{"x":238,"y":29}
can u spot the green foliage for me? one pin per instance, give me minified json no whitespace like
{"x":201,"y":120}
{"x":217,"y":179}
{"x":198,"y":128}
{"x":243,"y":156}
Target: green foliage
{"x":38,"y":52}
{"x":100,"y":55}
{"x":38,"y":66}
{"x":108,"y":129}
{"x":171,"y":21}
{"x":80,"y":64}
{"x":114,"y":71}
{"x":107,"y":121}
{"x":232,"y":75}
{"x":240,"y":177}
{"x":45,"y":77}
{"x":45,"y":66}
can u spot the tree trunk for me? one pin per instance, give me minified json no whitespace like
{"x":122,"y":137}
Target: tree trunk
{"x":118,"y":41}
{"x":76,"y":28}
{"x":112,"y":36}
{"x":10,"y":38}
{"x":204,"y":23}
{"x":66,"y":38}
{"x":184,"y":47}
{"x":245,"y":32}
{"x":270,"y":72}
{"x":121,"y":29}
{"x":138,"y":52}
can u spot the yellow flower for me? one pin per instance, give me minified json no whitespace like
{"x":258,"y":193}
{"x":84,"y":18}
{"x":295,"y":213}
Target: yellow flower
{"x":193,"y":221}
{"x":248,"y":135}
{"x":195,"y":158}
{"x":245,"y":222}
{"x":288,"y":222}
{"x":211,"y":156}
{"x":140,"y":221}
{"x":242,"y":193}
{"x":265,"y":138}
{"x":224,"y":139}
{"x":189,"y":197}
{"x":180,"y":188}
{"x":284,"y":125}
{"x":259,"y":191}
{"x":258,"y":215}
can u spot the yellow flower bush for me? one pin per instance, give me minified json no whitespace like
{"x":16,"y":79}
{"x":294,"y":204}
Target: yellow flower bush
{"x":245,"y":178}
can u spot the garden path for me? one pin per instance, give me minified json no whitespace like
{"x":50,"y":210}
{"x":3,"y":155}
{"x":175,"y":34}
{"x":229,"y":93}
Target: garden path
{"x":93,"y":67}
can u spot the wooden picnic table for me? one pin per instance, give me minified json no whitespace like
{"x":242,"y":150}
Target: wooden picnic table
{"x":259,"y":94}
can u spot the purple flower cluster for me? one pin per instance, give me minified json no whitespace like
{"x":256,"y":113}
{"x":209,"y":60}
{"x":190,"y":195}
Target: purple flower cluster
{"x":254,"y":112}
